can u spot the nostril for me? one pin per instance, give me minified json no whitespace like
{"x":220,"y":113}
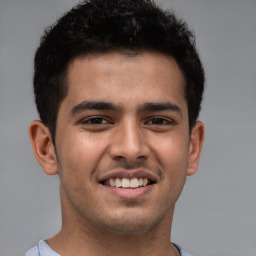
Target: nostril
{"x":123,"y":158}
{"x":142,"y":157}
{"x":119,"y":158}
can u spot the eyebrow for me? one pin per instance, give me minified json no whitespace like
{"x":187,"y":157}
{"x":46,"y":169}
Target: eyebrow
{"x":103,"y":105}
{"x":160,"y":106}
{"x":93,"y":105}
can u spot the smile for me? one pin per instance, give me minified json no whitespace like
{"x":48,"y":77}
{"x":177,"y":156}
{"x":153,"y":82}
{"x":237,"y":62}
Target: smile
{"x":127,"y":183}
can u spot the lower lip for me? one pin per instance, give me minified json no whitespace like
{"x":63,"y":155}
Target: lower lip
{"x":129,"y":192}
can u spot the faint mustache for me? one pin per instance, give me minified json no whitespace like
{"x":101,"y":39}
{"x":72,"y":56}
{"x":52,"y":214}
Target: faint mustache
{"x":131,"y":166}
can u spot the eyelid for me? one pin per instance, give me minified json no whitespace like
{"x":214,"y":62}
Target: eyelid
{"x":167,"y":120}
{"x":90,"y":118}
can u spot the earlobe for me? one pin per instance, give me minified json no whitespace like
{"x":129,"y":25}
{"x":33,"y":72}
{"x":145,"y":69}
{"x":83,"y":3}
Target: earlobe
{"x":195,"y":147}
{"x":40,"y":138}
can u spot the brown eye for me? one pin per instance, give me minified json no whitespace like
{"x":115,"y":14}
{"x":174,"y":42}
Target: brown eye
{"x":95,"y":121}
{"x":159,"y":121}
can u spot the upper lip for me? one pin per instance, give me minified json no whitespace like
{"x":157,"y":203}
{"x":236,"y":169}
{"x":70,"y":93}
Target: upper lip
{"x":129,"y":174}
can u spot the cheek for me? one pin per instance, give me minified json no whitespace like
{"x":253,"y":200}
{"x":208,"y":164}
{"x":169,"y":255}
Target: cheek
{"x":174,"y":160}
{"x":78,"y":158}
{"x":172,"y":153}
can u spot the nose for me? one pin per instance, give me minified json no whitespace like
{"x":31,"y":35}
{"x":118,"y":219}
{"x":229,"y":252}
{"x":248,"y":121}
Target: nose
{"x":129,"y":143}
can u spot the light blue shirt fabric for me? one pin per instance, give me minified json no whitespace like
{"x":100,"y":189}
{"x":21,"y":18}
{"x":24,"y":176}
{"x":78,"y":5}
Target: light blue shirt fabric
{"x":43,"y":249}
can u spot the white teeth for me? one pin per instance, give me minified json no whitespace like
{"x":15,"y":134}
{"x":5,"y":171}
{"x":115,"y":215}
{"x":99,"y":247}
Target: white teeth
{"x":134,"y":183}
{"x":127,"y":183}
{"x":118,"y":183}
{"x":112,"y":182}
{"x":145,"y":182}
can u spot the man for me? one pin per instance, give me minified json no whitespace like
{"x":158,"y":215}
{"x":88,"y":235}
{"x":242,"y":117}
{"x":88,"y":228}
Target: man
{"x":118,"y":86}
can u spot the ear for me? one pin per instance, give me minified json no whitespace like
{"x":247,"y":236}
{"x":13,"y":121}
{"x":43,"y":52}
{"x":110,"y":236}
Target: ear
{"x":195,"y":147}
{"x":41,"y":140}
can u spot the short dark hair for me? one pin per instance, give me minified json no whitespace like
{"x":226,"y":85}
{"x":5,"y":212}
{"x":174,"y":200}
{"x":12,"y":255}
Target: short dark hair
{"x":101,"y":26}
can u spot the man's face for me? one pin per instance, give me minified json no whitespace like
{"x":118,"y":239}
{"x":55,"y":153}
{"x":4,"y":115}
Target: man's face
{"x":122,"y":141}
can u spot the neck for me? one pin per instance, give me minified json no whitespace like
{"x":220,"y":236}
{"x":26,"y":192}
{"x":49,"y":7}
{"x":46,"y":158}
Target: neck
{"x":81,"y":237}
{"x":69,"y":242}
{"x":72,"y":240}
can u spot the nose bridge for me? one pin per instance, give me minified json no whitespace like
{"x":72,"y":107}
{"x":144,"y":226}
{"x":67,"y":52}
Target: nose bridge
{"x":128,"y":141}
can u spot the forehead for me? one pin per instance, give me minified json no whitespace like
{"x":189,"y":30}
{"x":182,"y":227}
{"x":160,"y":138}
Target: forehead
{"x":145,"y":77}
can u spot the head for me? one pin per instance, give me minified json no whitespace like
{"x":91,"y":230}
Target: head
{"x":96,"y":27}
{"x":118,"y":87}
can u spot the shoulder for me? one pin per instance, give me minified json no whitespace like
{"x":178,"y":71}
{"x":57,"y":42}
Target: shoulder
{"x":33,"y":252}
{"x":42,"y":249}
{"x":182,"y":251}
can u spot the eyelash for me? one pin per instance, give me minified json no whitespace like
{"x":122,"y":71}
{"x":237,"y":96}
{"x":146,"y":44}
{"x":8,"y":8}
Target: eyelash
{"x":91,"y":120}
{"x":164,"y":121}
{"x":157,"y":121}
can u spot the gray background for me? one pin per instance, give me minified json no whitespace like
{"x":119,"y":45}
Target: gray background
{"x":216,"y":214}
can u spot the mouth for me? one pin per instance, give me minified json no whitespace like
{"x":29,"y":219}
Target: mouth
{"x":129,"y":183}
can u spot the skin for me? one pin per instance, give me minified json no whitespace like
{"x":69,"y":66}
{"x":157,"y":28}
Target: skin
{"x":126,"y":134}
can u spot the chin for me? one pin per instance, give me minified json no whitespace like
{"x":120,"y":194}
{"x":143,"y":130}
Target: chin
{"x":136,"y":227}
{"x":131,"y":223}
